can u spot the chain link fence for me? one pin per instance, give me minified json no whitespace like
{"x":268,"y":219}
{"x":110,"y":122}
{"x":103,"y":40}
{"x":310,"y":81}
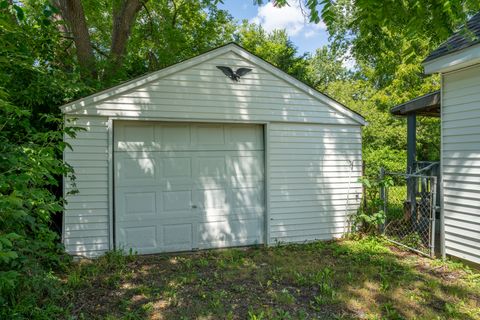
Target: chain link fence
{"x":410,"y":210}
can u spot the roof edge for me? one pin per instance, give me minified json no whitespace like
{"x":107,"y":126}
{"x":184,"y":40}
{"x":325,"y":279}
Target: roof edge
{"x":144,"y":79}
{"x":418,"y":104}
{"x":232,"y":46}
{"x":453,"y":61}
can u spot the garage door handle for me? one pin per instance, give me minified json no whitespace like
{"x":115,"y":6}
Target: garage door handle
{"x":194,"y":206}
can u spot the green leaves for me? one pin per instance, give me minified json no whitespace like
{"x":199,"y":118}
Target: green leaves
{"x":30,"y":168}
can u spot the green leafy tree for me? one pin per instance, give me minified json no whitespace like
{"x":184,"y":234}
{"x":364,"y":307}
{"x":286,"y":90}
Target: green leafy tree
{"x":165,"y":32}
{"x":29,"y":169}
{"x":327,"y":66}
{"x":274,"y":47}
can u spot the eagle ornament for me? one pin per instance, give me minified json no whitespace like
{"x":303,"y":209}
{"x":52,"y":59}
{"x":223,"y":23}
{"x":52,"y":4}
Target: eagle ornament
{"x":234,"y":75}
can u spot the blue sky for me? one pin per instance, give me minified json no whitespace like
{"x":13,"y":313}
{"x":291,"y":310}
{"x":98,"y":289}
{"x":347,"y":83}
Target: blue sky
{"x":306,"y":36}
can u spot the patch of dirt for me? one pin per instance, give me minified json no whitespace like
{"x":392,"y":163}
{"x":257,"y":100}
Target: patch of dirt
{"x":327,"y":281}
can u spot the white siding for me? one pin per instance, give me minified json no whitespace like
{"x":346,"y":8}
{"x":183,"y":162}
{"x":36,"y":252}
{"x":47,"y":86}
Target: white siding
{"x":204,"y":93}
{"x":461,"y":162}
{"x":86,"y":218}
{"x":314,"y":188}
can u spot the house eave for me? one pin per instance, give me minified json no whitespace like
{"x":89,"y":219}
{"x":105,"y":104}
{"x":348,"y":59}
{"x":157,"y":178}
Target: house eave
{"x":454,"y":61}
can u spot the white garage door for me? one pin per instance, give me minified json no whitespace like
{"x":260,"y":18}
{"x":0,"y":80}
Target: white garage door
{"x":181,"y":186}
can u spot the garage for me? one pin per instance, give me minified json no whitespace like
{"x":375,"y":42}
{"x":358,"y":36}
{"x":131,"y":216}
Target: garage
{"x":219,"y":150}
{"x":184,"y":186}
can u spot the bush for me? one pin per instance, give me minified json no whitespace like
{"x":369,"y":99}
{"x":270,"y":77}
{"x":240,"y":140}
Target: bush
{"x":30,"y":168}
{"x":371,"y":216}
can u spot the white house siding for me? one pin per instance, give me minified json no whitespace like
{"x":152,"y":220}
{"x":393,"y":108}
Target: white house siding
{"x":314,"y":188}
{"x":204,"y":93}
{"x":461,"y":162}
{"x":309,"y":146}
{"x":86,"y":218}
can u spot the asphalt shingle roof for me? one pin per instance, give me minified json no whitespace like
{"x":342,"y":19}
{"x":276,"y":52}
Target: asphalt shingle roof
{"x":459,"y":40}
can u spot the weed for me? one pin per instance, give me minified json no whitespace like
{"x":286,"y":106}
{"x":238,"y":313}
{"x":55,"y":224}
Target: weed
{"x":254,"y":315}
{"x":391,"y":313}
{"x":284,"y":297}
{"x":74,"y":280}
{"x":315,"y":280}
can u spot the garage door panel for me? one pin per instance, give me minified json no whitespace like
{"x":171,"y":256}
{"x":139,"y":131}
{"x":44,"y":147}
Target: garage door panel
{"x":140,"y":203}
{"x":135,"y":136}
{"x":137,"y":204}
{"x":224,"y":214}
{"x":188,"y":186}
{"x":140,"y":171}
{"x":209,"y":166}
{"x":247,"y":197}
{"x":230,"y":233}
{"x":173,"y":136}
{"x":142,"y":238}
{"x":177,"y":167}
{"x":246,"y":166}
{"x":211,"y":198}
{"x":208,"y":135}
{"x":186,"y":136}
{"x":244,"y":137}
{"x":178,"y":236}
{"x":177,"y":200}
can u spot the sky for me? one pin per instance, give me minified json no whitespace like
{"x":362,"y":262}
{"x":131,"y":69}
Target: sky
{"x":306,"y":36}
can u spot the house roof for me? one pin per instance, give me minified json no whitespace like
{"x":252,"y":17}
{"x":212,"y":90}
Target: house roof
{"x":426,"y":105}
{"x":467,"y":36}
{"x":156,"y":75}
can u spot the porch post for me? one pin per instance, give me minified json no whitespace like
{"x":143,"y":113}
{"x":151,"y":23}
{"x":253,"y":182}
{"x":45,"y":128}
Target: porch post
{"x":411,"y":157}
{"x":411,"y":141}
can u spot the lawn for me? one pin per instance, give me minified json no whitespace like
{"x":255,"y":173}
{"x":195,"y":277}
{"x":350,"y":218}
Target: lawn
{"x":347,"y":279}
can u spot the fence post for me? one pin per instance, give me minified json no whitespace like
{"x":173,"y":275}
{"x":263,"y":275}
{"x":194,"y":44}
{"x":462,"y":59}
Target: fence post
{"x":383,"y":197}
{"x":433,"y":190}
{"x":364,"y":189}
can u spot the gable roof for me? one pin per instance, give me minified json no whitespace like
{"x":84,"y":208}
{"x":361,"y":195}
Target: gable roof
{"x":467,"y":36}
{"x":233,"y":47}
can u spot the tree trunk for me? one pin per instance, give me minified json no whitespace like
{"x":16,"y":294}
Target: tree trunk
{"x":124,"y":16}
{"x":72,"y":12}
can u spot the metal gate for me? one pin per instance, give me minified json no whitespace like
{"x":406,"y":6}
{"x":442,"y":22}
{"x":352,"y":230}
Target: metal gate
{"x":410,"y":207}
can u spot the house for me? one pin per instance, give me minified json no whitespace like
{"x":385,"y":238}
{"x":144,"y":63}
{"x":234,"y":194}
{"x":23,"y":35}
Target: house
{"x":458,"y":106}
{"x":195,"y":156}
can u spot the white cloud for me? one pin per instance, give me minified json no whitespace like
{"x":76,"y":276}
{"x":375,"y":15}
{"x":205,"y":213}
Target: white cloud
{"x":291,"y":18}
{"x":309,"y":34}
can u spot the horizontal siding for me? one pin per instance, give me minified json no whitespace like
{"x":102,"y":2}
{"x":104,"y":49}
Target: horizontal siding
{"x":86,"y":223}
{"x":461,"y":163}
{"x":313,"y":173}
{"x":202,"y":92}
{"x":313,"y":187}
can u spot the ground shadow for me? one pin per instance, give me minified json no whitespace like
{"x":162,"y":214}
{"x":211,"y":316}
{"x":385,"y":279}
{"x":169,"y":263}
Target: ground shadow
{"x":346,"y":280}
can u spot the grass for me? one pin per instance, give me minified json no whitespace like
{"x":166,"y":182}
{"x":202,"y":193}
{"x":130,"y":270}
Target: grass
{"x":348,"y":279}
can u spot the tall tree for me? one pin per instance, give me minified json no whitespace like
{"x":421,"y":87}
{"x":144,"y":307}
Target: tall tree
{"x":73,"y":13}
{"x":275,"y":47}
{"x":102,"y":30}
{"x":327,"y":66}
{"x":124,"y":14}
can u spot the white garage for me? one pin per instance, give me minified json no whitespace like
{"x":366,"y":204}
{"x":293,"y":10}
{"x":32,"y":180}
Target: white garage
{"x":180,"y":186}
{"x":193,"y":157}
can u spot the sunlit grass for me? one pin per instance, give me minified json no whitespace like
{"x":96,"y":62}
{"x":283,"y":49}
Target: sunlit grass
{"x":348,"y":279}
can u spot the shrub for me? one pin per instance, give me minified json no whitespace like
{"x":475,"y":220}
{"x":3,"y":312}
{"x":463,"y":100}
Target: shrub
{"x":30,"y":167}
{"x":371,"y":215}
